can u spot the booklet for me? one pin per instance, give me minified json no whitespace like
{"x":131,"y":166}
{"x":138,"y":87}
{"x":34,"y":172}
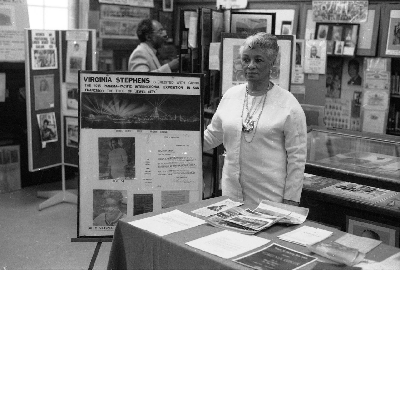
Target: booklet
{"x":306,"y":235}
{"x":266,"y":214}
{"x":275,"y":257}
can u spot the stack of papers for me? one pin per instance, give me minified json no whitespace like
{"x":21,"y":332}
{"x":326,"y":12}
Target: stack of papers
{"x":305,"y":235}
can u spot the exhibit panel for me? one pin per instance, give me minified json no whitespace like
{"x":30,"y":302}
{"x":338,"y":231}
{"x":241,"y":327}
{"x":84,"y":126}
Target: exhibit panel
{"x":140,"y":146}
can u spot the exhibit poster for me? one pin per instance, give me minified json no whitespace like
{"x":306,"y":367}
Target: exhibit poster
{"x":140,"y":145}
{"x":340,"y":11}
{"x":315,"y":57}
{"x":134,"y":3}
{"x":393,"y":37}
{"x":44,"y":50}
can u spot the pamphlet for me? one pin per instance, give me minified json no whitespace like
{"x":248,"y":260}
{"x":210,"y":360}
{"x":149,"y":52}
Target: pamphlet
{"x":215,"y":208}
{"x":265,"y":215}
{"x":275,"y":257}
{"x":306,"y":235}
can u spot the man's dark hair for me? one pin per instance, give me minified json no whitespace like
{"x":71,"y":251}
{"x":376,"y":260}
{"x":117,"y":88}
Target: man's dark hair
{"x":144,"y":28}
{"x":355,"y":63}
{"x":46,"y":120}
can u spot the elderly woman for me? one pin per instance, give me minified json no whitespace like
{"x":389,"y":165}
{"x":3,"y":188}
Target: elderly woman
{"x":263,"y":129}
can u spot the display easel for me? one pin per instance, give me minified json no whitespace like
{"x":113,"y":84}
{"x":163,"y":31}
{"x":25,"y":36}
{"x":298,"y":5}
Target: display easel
{"x":58,"y":105}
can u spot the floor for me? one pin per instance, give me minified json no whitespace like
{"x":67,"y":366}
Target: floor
{"x":32,"y":239}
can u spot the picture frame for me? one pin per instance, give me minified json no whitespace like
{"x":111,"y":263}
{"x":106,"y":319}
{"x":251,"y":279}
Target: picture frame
{"x":350,"y":11}
{"x":284,"y":13}
{"x":368,"y":34}
{"x":286,"y":28}
{"x":388,"y":234}
{"x":248,"y":23}
{"x":341,"y":39}
{"x":390,"y":38}
{"x":232,"y":73}
{"x":217,"y":25}
{"x":168,"y":5}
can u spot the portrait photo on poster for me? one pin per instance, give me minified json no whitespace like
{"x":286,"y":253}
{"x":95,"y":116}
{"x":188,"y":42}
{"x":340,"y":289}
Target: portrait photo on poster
{"x":109,"y":206}
{"x":116,"y":158}
{"x":315,"y":57}
{"x":47,"y":127}
{"x":44,"y":59}
{"x":71,"y":132}
{"x":43,"y":86}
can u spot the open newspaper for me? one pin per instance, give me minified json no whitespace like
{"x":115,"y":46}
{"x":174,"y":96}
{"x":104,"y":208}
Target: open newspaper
{"x":265,"y":215}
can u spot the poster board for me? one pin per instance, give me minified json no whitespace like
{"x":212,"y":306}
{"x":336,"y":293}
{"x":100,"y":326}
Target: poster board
{"x":14,"y":19}
{"x":140,"y":145}
{"x":51,"y":74}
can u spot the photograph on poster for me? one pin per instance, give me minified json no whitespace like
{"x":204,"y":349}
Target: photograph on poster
{"x":71,"y":132}
{"x":393,"y":36}
{"x":44,"y":59}
{"x":116,"y":158}
{"x":72,"y":96}
{"x":322,"y":32}
{"x":353,"y":71}
{"x":76,"y":59}
{"x":109,"y":206}
{"x":119,"y":29}
{"x":141,"y":111}
{"x":340,"y":11}
{"x":299,"y":52}
{"x":173,"y":198}
{"x":338,"y":50}
{"x":373,"y":230}
{"x":315,"y":57}
{"x":247,"y":24}
{"x":7,"y":17}
{"x":142,"y":203}
{"x":334,"y":70}
{"x":43,"y":86}
{"x":47,"y":127}
{"x":341,"y":38}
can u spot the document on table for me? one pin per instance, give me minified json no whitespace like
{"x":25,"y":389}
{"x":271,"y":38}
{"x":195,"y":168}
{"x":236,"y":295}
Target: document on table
{"x":227,"y":244}
{"x":360,"y":243}
{"x":305,"y":235}
{"x":169,"y":222}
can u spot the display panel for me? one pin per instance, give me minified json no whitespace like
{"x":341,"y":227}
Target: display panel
{"x":140,"y":146}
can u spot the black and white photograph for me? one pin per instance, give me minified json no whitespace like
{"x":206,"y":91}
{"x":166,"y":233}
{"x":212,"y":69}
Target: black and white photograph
{"x":393,"y":36}
{"x":168,"y":5}
{"x":286,"y":28}
{"x":334,"y":71}
{"x":71,"y":132}
{"x":72,"y":96}
{"x":322,"y":33}
{"x":43,"y":86}
{"x":340,"y":11}
{"x":245,"y":24}
{"x":116,"y":158}
{"x":44,"y":59}
{"x":47,"y":127}
{"x":109,"y":206}
{"x":143,"y":203}
{"x":142,"y":111}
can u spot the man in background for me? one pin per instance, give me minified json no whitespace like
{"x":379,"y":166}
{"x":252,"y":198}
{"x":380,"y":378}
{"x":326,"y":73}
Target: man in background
{"x":152,"y":37}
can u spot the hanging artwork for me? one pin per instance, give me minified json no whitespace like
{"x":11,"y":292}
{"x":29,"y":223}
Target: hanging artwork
{"x":340,"y":11}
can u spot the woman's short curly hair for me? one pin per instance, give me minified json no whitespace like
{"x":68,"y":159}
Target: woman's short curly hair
{"x":264,"y":41}
{"x":113,"y":194}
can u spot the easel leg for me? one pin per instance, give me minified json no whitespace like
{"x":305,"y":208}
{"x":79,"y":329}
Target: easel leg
{"x":95,"y":254}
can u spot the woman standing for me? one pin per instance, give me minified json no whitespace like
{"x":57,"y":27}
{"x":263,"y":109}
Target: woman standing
{"x":263,"y":129}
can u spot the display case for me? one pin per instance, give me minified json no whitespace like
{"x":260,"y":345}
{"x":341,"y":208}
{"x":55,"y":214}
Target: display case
{"x":358,"y":157}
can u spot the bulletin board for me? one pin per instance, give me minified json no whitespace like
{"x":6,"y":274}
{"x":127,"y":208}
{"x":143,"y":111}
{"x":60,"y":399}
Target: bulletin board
{"x":51,"y":73}
{"x":140,"y":145}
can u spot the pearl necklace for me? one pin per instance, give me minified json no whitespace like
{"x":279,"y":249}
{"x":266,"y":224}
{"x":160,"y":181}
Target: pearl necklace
{"x":249,"y":122}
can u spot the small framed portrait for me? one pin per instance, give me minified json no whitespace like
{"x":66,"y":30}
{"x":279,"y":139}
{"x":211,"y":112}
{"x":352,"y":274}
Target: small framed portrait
{"x":168,"y":5}
{"x":245,"y":24}
{"x":338,"y":50}
{"x":337,"y":32}
{"x":71,"y":132}
{"x":322,"y":32}
{"x":286,"y":28}
{"x":374,"y":230}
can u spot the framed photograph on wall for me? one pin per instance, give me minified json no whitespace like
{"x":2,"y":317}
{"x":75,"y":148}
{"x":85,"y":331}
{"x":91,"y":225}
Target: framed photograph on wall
{"x":375,"y":230}
{"x":249,"y":23}
{"x":168,"y":5}
{"x":286,"y":28}
{"x":390,"y":24}
{"x":368,"y":35}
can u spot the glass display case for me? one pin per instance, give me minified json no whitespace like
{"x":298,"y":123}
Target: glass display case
{"x":359,"y":157}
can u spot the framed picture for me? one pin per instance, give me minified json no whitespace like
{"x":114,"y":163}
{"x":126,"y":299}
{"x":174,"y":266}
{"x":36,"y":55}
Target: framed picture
{"x":391,"y":31}
{"x":341,"y":39}
{"x":368,"y":35}
{"x":281,"y":73}
{"x":340,"y":11}
{"x":249,"y":23}
{"x":375,"y":230}
{"x":284,"y":13}
{"x":310,"y":28}
{"x":168,"y":5}
{"x":217,"y":25}
{"x":71,"y":132}
{"x":286,"y":28}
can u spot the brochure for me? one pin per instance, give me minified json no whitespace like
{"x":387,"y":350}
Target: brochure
{"x":265,"y":215}
{"x":275,"y":257}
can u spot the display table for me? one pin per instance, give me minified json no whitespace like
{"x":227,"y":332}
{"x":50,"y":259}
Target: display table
{"x":135,"y":248}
